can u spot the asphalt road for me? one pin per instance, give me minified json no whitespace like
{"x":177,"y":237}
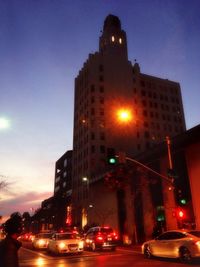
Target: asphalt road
{"x":121,"y":257}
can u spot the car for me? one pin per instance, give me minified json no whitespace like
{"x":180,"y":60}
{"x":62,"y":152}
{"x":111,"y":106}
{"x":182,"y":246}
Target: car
{"x":182,"y":244}
{"x":26,"y":237}
{"x":41,"y":240}
{"x":100,"y":238}
{"x":67,"y":242}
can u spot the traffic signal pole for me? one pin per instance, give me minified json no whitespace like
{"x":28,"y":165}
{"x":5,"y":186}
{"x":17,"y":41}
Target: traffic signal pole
{"x":170,"y":206}
{"x":149,"y":169}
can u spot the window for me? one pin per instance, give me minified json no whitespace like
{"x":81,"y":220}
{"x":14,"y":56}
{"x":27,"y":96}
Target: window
{"x":143,"y":93}
{"x":92,"y":88}
{"x":92,"y":136}
{"x":92,"y":99}
{"x":171,"y":236}
{"x":101,"y":68}
{"x":146,"y":134}
{"x":92,"y":111}
{"x":101,"y":100}
{"x":102,"y":149}
{"x":113,"y":38}
{"x":102,"y":136}
{"x":101,"y":78}
{"x":145,"y":113}
{"x":101,"y":112}
{"x":101,"y":89}
{"x":147,"y":145}
{"x":93,"y":149}
{"x":142,"y":83}
{"x":120,"y":40}
{"x":144,"y":103}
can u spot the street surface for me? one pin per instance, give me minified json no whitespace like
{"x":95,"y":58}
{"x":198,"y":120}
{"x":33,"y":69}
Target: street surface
{"x":121,"y":257}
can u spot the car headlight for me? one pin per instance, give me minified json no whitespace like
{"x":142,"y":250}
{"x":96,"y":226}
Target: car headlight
{"x":61,"y":245}
{"x":41,"y":242}
{"x":81,"y":244}
{"x":197,"y":243}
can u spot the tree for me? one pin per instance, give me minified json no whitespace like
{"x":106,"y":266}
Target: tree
{"x":3,"y":183}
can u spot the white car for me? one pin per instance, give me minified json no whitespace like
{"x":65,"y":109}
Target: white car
{"x":67,"y":242}
{"x":182,"y":244}
{"x":41,"y":240}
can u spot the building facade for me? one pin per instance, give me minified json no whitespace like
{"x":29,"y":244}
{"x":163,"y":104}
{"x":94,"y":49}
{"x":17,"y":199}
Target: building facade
{"x":63,"y":190}
{"x":55,"y":212}
{"x":107,"y":83}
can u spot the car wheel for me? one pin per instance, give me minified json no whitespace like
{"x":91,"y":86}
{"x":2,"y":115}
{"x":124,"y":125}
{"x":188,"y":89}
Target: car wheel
{"x":147,"y":252}
{"x":93,"y":247}
{"x":185,"y":255}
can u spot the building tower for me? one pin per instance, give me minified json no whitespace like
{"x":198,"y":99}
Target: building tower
{"x":107,"y":83}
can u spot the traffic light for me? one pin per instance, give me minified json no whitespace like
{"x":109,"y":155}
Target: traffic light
{"x":180,"y":214}
{"x":111,"y":156}
{"x":160,"y":216}
{"x":182,"y":201}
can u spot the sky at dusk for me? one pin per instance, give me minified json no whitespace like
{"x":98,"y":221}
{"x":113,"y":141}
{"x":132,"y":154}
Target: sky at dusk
{"x":43,"y":45}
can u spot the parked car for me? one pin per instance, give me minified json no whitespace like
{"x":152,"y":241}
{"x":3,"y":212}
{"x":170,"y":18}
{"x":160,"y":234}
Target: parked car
{"x":41,"y":240}
{"x":67,"y":242}
{"x":100,"y":238}
{"x":182,"y":244}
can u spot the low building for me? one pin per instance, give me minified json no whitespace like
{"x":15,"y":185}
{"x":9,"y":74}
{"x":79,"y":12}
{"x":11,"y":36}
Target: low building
{"x":136,"y":200}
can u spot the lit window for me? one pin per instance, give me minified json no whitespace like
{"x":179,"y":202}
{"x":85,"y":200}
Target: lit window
{"x":113,"y":38}
{"x":120,"y":40}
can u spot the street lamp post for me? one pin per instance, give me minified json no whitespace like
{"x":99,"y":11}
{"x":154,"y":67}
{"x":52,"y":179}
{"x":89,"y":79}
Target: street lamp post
{"x":85,"y":208}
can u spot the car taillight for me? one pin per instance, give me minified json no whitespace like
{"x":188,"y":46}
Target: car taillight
{"x":99,"y":238}
{"x":115,"y":236}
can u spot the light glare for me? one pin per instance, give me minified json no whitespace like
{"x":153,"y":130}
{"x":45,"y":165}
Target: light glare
{"x":4,"y":123}
{"x":124,"y":115}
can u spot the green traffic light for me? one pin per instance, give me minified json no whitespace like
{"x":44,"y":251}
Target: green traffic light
{"x":112,"y":160}
{"x":183,"y":201}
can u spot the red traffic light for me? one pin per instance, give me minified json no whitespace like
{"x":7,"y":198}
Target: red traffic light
{"x":181,"y":214}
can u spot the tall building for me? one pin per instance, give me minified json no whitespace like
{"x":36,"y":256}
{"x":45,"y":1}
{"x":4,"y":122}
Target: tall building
{"x":107,"y":83}
{"x":63,"y":175}
{"x":63,"y":191}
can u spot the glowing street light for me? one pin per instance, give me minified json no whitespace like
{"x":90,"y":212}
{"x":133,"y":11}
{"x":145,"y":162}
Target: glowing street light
{"x":124,"y":115}
{"x":85,"y":179}
{"x":4,"y":123}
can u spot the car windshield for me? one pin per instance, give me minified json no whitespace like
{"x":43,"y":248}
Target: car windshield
{"x":44,"y":236}
{"x":67,"y":236}
{"x":195,"y":233}
{"x":106,"y":230}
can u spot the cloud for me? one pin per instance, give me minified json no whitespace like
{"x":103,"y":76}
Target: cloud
{"x":28,"y":201}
